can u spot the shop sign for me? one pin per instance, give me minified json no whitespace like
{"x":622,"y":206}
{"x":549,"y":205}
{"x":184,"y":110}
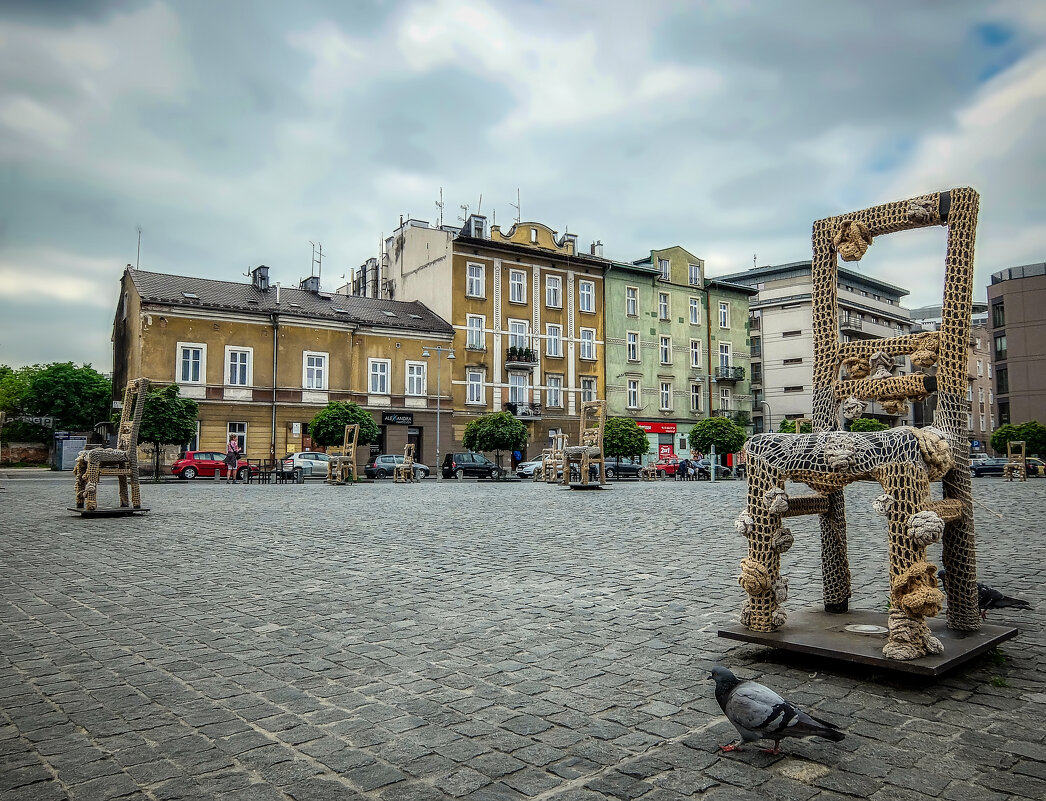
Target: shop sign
{"x":665,"y":451}
{"x":397,"y":418}
{"x":657,"y":428}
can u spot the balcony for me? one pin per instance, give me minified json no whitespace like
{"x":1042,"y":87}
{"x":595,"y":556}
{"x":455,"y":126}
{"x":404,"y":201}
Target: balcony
{"x":847,"y":322}
{"x":524,"y":411}
{"x":517,"y":358}
{"x":730,"y":374}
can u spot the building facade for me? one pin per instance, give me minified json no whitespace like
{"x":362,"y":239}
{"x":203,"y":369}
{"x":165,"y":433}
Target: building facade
{"x":1017,"y":319}
{"x":782,"y":335}
{"x":261,"y":360}
{"x":527,"y":314}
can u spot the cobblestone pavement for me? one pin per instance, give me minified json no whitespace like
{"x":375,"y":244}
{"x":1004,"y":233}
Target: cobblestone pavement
{"x":466,"y":640}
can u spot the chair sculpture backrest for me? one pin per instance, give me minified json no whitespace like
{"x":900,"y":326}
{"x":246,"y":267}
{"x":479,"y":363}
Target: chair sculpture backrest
{"x":134,"y":397}
{"x":593,"y":420}
{"x":341,"y":466}
{"x":405,"y":470}
{"x":551,"y":466}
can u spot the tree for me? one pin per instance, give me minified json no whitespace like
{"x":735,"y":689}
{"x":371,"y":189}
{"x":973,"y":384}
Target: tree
{"x":1002,"y":436}
{"x":14,"y":386}
{"x":623,"y":437}
{"x":495,"y":432}
{"x":77,"y":397}
{"x":788,"y":427}
{"x":867,"y":424}
{"x":1034,"y":435}
{"x":167,"y":419}
{"x":328,"y":427}
{"x":726,"y":435}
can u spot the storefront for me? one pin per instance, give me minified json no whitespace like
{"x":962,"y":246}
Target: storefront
{"x":663,"y":440}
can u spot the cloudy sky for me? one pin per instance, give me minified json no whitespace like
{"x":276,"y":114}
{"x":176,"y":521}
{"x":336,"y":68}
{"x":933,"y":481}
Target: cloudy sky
{"x":234,"y":133}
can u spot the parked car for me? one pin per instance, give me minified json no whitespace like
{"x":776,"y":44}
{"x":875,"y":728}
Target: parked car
{"x":623,"y":469}
{"x":384,"y":465}
{"x":205,"y":463}
{"x":527,"y":469}
{"x":987,"y":467}
{"x":1036,"y":466}
{"x":460,"y":465}
{"x":310,"y":463}
{"x":703,"y":472}
{"x":666,"y":467}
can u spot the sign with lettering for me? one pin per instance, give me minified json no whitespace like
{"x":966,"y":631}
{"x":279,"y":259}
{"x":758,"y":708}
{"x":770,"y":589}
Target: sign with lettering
{"x":657,"y":428}
{"x":397,"y":418}
{"x":38,"y":420}
{"x":665,"y":452}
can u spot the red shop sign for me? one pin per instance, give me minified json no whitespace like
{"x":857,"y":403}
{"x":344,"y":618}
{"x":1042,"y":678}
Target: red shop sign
{"x":657,"y":428}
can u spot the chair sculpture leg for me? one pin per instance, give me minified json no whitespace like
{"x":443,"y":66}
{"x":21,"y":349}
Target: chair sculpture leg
{"x":80,"y":478}
{"x":124,"y":499}
{"x":760,"y":522}
{"x":835,"y":566}
{"x":91,"y":486}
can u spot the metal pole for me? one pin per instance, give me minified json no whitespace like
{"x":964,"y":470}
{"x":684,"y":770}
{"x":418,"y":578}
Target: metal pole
{"x":769,"y":417}
{"x":439,"y":357}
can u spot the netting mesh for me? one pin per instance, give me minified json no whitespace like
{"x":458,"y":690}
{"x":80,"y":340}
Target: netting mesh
{"x":903,"y":460}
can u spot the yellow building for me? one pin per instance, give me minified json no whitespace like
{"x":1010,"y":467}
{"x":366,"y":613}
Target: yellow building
{"x":527,"y":312}
{"x":215,"y":339}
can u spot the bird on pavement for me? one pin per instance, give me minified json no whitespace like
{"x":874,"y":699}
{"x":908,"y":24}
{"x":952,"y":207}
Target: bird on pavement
{"x":758,"y":713}
{"x":991,"y":598}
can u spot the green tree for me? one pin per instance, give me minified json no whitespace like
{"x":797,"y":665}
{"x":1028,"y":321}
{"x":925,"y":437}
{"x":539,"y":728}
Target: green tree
{"x":495,"y":432}
{"x":168,"y":419}
{"x":623,"y":437}
{"x":788,"y":427}
{"x":867,"y":424}
{"x":14,"y":387}
{"x":77,"y":397}
{"x":1003,"y":435}
{"x":726,"y":435}
{"x":1034,"y":435}
{"x":328,"y":427}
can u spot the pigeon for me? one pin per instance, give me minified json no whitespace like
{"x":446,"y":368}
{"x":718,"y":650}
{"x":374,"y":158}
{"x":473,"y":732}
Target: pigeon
{"x":991,"y":598}
{"x":758,"y":713}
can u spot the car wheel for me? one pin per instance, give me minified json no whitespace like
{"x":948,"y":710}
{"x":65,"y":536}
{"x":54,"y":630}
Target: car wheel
{"x":189,"y":473}
{"x":241,"y":474}
{"x":380,"y":474}
{"x":459,"y":474}
{"x":611,"y":473}
{"x":495,"y":474}
{"x":662,"y":474}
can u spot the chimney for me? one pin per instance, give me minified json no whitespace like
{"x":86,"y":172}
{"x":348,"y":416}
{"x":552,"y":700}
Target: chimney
{"x":260,"y":278}
{"x":597,"y":249}
{"x":310,"y":284}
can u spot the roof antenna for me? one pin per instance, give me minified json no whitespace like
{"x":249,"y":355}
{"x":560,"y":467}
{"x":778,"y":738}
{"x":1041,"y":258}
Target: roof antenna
{"x":138,"y":258}
{"x":753,"y":261}
{"x":317,"y":259}
{"x":465,"y":208}
{"x":439,"y":204}
{"x":479,"y":208}
{"x":516,"y":207}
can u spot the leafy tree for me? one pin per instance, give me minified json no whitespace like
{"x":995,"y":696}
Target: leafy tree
{"x":14,"y":386}
{"x":726,"y":435}
{"x":788,"y":427}
{"x":328,"y":427}
{"x":1003,"y":435}
{"x":495,"y":432}
{"x":168,"y":419}
{"x":1034,"y":434}
{"x":623,"y":437}
{"x":77,"y":397}
{"x":867,"y":424}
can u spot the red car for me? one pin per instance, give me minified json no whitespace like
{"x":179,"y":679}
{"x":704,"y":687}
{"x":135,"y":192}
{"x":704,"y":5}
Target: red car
{"x":204,"y":463}
{"x":666,"y":467}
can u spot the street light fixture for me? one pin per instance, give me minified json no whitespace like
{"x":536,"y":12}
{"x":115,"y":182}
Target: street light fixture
{"x":439,"y":357}
{"x":769,"y":416}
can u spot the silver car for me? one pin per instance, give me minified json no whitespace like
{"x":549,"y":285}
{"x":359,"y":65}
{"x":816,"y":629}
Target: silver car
{"x":310,"y":463}
{"x":527,"y":469}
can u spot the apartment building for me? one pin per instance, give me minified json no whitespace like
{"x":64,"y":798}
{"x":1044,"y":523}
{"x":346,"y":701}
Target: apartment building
{"x":261,"y":360}
{"x":527,"y":314}
{"x":1017,"y":319}
{"x":782,"y":335}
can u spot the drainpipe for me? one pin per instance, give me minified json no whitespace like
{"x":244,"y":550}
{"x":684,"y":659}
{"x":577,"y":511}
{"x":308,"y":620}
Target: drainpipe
{"x":708,"y":356}
{"x":275,"y":366}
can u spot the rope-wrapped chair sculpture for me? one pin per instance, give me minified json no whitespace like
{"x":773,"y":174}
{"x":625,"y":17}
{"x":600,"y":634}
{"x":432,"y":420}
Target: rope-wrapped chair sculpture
{"x":552,"y":463}
{"x":403,"y":473}
{"x":121,"y":461}
{"x":341,"y":467}
{"x":1016,"y":461}
{"x":903,"y":460}
{"x":589,"y":450}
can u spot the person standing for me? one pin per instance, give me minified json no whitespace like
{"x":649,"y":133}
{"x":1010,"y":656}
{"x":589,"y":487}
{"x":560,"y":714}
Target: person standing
{"x":232,"y":459}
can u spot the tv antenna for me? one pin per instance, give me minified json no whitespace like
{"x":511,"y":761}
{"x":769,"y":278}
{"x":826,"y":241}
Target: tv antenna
{"x":465,"y":208}
{"x":316,"y":268}
{"x":753,"y":261}
{"x":138,"y":258}
{"x":439,"y":205}
{"x":516,"y":207}
{"x":479,"y":208}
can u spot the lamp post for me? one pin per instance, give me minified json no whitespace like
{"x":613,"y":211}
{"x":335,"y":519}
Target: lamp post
{"x":769,"y":416}
{"x":711,"y":454}
{"x":439,"y":357}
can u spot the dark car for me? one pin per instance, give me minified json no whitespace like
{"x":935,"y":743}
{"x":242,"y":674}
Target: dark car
{"x":476,"y":465}
{"x":987,"y":467}
{"x":205,"y":463}
{"x":384,"y":465}
{"x":704,"y":474}
{"x":624,"y":469}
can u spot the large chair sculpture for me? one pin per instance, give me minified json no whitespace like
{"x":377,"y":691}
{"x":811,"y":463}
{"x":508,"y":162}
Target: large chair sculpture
{"x":403,"y":473}
{"x":121,"y":461}
{"x":341,"y":467}
{"x":1016,"y":461}
{"x":552,"y":463}
{"x":903,"y":460}
{"x":589,"y":450}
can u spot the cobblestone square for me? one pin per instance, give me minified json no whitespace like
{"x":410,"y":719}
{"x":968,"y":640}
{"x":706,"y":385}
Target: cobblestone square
{"x":466,"y":640}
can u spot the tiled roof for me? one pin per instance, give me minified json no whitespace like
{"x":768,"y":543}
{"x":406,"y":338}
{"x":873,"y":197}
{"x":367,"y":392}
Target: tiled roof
{"x":205,"y":293}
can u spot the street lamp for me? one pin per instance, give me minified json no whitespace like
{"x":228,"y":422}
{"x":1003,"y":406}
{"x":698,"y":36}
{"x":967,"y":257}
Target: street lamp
{"x":439,"y":356}
{"x":711,"y":453}
{"x":769,"y":416}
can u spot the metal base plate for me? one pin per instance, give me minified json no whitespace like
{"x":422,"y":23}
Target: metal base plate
{"x":580,"y":486}
{"x":813,"y":631}
{"x":115,"y":511}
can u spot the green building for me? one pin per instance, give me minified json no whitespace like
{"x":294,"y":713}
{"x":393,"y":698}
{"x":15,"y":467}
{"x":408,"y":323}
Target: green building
{"x":677,"y":347}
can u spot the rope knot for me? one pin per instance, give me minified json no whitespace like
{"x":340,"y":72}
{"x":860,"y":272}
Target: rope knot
{"x":852,"y":240}
{"x":920,"y":212}
{"x":755,"y":577}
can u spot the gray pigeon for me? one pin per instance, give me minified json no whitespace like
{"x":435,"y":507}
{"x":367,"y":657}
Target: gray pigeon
{"x":991,"y":598}
{"x":758,"y":713}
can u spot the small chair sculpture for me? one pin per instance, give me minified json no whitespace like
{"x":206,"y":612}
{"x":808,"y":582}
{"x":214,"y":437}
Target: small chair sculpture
{"x":903,"y":460}
{"x":539,"y":472}
{"x":552,"y":464}
{"x":648,"y":473}
{"x":121,"y":461}
{"x":341,"y":467}
{"x":1016,"y":465}
{"x":403,"y":473}
{"x":589,"y":450}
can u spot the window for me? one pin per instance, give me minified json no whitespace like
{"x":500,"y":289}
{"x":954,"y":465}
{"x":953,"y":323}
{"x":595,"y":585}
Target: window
{"x":588,"y":343}
{"x":793,"y":361}
{"x":554,"y":340}
{"x":696,"y":393}
{"x":989,"y":369}
{"x":379,"y":370}
{"x":1002,"y":380}
{"x":791,"y":333}
{"x":238,"y":430}
{"x":475,"y":285}
{"x":724,"y":354}
{"x":517,"y":286}
{"x":314,"y":370}
{"x":1004,"y":413}
{"x":553,"y":291}
{"x":587,"y":296}
{"x":1000,"y":348}
{"x":980,"y":367}
{"x":588,"y":388}
{"x":666,"y":395}
{"x":474,"y":378}
{"x":793,"y":389}
{"x":518,"y":390}
{"x":633,"y":393}
{"x":554,"y":396}
{"x":475,"y":338}
{"x":724,"y":398}
{"x":757,"y":346}
{"x":517,"y":334}
{"x":415,"y":378}
{"x":695,"y":311}
{"x":991,"y":417}
{"x":969,"y":394}
{"x":239,"y":366}
{"x":998,"y":315}
{"x":662,"y":305}
{"x":632,"y":346}
{"x":724,"y":315}
{"x":695,"y":275}
{"x":192,"y":363}
{"x":631,"y":301}
{"x":757,"y":373}
{"x":982,"y":422}
{"x":969,"y":421}
{"x":666,"y":350}
{"x":533,"y":235}
{"x":980,"y":396}
{"x":695,"y":353}
{"x":665,"y":268}
{"x":991,"y":397}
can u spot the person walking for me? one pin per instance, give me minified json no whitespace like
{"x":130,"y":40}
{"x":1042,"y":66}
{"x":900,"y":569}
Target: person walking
{"x":232,"y":458}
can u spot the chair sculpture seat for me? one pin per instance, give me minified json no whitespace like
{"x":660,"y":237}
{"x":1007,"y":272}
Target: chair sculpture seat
{"x":589,"y":450}
{"x":121,"y":461}
{"x":904,"y":461}
{"x":341,"y":467}
{"x":403,"y":473}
